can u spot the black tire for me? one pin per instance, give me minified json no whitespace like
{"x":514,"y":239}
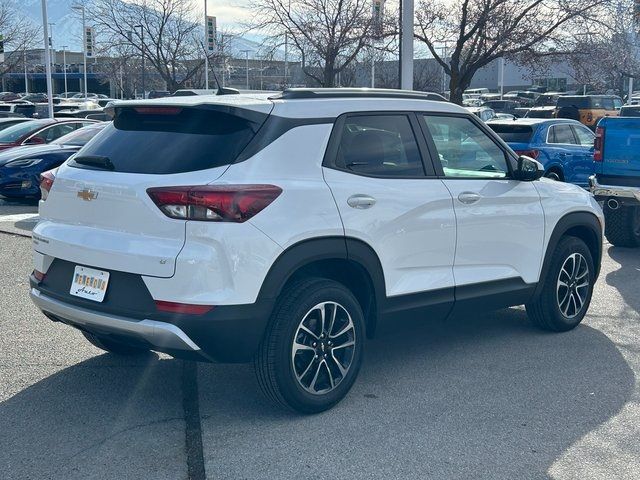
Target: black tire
{"x":275,"y":363}
{"x":622,"y":226}
{"x":113,"y":346}
{"x":545,"y":311}
{"x":554,"y":175}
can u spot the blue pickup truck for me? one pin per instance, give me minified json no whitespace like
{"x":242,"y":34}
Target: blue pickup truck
{"x":616,"y":182}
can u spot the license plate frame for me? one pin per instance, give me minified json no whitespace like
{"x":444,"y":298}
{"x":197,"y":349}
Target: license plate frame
{"x":89,"y":283}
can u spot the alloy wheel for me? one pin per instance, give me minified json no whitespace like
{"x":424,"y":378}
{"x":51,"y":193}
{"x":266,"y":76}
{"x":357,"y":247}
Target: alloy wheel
{"x":573,"y":285}
{"x":323,"y":348}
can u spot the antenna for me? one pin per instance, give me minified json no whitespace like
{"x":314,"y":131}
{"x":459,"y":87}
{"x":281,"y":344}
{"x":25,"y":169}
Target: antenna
{"x":224,"y":90}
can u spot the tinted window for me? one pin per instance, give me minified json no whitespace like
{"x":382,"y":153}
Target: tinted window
{"x":56,"y":131}
{"x":513,"y":132}
{"x":608,"y":104}
{"x":465,"y":150}
{"x":173,"y":140}
{"x":381,"y":145}
{"x":584,"y":135}
{"x":630,"y":111}
{"x":577,"y":102}
{"x":561,"y":134}
{"x":80,"y":137}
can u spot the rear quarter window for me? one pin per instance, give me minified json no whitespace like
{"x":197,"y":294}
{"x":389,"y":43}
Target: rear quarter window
{"x":176,"y":141}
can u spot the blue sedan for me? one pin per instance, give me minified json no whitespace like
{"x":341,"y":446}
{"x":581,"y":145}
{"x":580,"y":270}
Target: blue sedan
{"x":564,"y":147}
{"x":20,"y":167}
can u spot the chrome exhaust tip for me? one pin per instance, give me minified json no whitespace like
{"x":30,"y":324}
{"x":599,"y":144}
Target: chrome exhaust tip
{"x":613,"y":204}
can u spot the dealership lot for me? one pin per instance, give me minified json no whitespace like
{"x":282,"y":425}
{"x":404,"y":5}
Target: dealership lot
{"x":486,"y":397}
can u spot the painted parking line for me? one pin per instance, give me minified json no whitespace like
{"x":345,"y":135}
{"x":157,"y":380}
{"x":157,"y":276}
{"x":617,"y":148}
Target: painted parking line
{"x":19,"y":217}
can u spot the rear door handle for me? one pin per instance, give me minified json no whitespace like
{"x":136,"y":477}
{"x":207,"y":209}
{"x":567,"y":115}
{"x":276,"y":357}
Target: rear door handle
{"x":469,"y":198}
{"x":361,"y":202}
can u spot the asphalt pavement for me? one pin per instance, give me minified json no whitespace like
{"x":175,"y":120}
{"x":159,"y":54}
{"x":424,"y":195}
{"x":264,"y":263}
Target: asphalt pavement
{"x":479,"y":397}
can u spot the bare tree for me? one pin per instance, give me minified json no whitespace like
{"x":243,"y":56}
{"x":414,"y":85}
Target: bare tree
{"x":328,"y":35}
{"x":19,"y":34}
{"x":466,"y":35}
{"x":166,"y":32}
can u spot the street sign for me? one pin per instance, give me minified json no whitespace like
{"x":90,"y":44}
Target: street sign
{"x":89,"y":41}
{"x":211,"y":34}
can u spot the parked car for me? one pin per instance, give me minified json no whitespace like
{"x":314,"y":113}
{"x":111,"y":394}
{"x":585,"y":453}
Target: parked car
{"x":503,"y":106}
{"x":190,"y":92}
{"x":158,"y":94}
{"x":549,"y":99}
{"x":20,"y":167}
{"x":588,"y":109}
{"x":483,"y":113}
{"x":630,"y":111}
{"x":35,"y":98}
{"x":564,"y":147}
{"x":8,"y":96}
{"x":504,"y":116}
{"x":290,"y":244}
{"x":525,"y":99}
{"x":17,"y":109}
{"x":616,"y":182}
{"x":38,"y":132}
{"x":540,"y":112}
{"x":68,"y":94}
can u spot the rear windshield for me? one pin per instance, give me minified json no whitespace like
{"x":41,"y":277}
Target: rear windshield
{"x":607,"y":103}
{"x":513,"y":133}
{"x":172,"y":140}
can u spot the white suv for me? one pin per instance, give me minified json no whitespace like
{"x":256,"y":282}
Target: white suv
{"x":283,"y":229}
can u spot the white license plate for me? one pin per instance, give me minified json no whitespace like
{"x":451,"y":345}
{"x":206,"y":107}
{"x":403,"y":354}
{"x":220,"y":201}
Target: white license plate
{"x":89,"y":283}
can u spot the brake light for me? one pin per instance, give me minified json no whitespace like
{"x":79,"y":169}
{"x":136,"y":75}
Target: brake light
{"x":173,"y":307}
{"x":158,"y":110}
{"x":46,"y":182}
{"x":214,"y":203}
{"x":529,"y":153}
{"x":598,"y":145}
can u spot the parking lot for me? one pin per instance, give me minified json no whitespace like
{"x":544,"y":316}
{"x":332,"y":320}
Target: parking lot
{"x":475,"y":397}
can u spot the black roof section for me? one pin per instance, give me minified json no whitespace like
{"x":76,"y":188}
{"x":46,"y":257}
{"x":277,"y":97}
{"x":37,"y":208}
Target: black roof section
{"x":318,"y":93}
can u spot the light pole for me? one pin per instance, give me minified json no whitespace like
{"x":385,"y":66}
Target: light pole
{"x":206,"y":48}
{"x":406,"y":44}
{"x":246,"y":53}
{"x":64,"y":67}
{"x":26,"y":80}
{"x":84,"y":46}
{"x":141,"y":27}
{"x":47,"y":60}
{"x":501,"y":78}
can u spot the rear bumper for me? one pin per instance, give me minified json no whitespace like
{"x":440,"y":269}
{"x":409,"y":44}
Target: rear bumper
{"x":159,"y":335}
{"x":626,"y":195}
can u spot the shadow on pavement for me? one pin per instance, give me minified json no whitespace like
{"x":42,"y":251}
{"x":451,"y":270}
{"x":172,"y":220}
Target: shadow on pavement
{"x":485,"y":397}
{"x":101,"y":418}
{"x":627,"y":278}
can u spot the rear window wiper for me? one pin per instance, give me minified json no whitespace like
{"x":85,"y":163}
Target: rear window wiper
{"x":97,"y":161}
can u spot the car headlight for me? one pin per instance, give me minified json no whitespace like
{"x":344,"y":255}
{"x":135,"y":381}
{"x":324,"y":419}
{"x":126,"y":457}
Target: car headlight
{"x":23,"y":162}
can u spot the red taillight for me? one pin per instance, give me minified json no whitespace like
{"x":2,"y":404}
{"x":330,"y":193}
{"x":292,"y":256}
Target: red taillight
{"x":598,"y":145}
{"x":214,"y":203}
{"x":529,"y":153}
{"x":173,"y":307}
{"x":39,"y":276}
{"x":46,"y":182}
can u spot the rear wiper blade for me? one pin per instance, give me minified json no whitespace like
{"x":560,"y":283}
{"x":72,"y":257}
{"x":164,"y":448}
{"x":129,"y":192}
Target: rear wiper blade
{"x":97,"y":161}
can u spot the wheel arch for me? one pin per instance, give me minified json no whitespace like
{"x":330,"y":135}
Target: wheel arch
{"x":583,"y":225}
{"x":346,"y":260}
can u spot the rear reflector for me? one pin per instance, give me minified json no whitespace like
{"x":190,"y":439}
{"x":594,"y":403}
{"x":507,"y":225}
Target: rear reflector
{"x":529,"y":153}
{"x":598,"y":145}
{"x":172,"y":307}
{"x":214,"y":203}
{"x":46,"y":182}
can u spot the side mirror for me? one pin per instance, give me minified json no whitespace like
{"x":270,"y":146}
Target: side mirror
{"x":36,"y":141}
{"x":528,"y":169}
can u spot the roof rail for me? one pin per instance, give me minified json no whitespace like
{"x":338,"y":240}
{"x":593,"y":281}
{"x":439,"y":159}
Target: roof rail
{"x":317,"y":93}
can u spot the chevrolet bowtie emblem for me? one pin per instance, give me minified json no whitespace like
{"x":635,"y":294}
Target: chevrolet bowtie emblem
{"x":87,"y":195}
